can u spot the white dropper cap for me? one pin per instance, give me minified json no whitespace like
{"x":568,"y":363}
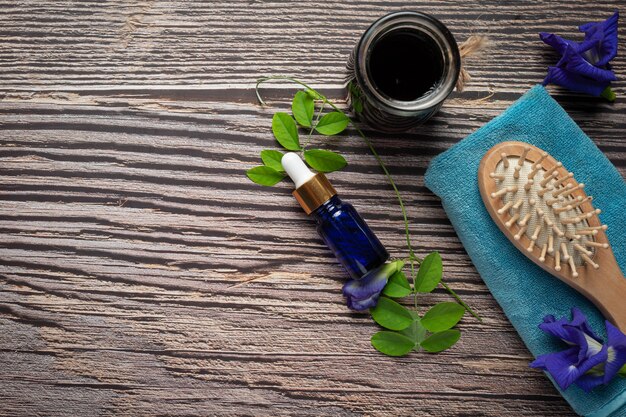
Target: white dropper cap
{"x":296,"y":169}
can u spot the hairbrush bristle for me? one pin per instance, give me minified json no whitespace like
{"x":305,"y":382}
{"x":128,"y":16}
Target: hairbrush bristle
{"x":560,"y":182}
{"x":557,"y":260}
{"x":548,"y":179}
{"x":596,"y":244}
{"x":552,"y":170}
{"x":550,"y":243}
{"x":544,"y":249}
{"x":505,"y":160}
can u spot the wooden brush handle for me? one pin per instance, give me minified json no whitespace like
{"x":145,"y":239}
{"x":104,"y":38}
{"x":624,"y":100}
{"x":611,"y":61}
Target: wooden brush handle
{"x":605,"y":287}
{"x":609,"y":295}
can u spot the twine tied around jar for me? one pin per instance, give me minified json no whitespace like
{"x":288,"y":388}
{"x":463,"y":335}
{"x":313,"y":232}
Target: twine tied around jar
{"x":472,"y":46}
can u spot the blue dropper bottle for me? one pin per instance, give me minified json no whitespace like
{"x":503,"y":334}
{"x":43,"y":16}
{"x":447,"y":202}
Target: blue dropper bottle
{"x":343,"y":230}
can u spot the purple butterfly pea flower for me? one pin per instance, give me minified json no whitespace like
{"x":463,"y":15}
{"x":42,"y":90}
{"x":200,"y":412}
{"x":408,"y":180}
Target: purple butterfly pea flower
{"x":362,"y":294}
{"x":587,"y":351}
{"x":584,"y":66}
{"x":587,"y":362}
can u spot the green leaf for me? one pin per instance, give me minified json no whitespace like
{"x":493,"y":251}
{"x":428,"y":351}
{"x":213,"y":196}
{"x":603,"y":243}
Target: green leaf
{"x":622,"y":371}
{"x":391,"y":315}
{"x":441,"y":341}
{"x":324,"y":161}
{"x":430,"y":273}
{"x":397,"y":286}
{"x":265,"y":175}
{"x":442,"y":316}
{"x":286,"y":131}
{"x":303,"y":108}
{"x":416,"y":332}
{"x":392,"y":343}
{"x":272,"y":159}
{"x":332,"y":123}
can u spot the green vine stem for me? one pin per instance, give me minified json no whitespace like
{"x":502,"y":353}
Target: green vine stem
{"x":412,"y":257}
{"x":457,"y":298}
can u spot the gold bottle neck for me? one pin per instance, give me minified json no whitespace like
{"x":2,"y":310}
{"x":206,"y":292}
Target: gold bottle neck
{"x":314,"y":193}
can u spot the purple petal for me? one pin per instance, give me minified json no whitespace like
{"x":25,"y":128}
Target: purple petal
{"x":590,"y":48}
{"x":549,"y":318}
{"x":363,"y":293}
{"x":540,"y":362}
{"x":574,"y":82}
{"x":564,"y":366}
{"x":568,"y":330}
{"x":588,"y":382}
{"x":616,"y":352}
{"x":360,"y":305}
{"x":560,"y":365}
{"x":363,"y":288}
{"x":555,"y":327}
{"x":604,"y":34}
{"x":575,"y":63}
{"x":587,"y":345}
{"x":557,"y":42}
{"x":580,"y":320}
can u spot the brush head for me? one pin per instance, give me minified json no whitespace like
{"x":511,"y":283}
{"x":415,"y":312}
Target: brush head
{"x":547,"y":215}
{"x":543,"y":207}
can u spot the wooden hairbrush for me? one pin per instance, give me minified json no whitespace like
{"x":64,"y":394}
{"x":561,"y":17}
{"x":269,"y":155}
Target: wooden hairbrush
{"x":545,"y":212}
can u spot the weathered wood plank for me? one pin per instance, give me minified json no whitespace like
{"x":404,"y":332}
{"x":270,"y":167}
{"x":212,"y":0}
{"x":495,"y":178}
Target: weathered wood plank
{"x":81,"y":44}
{"x":142,"y":273}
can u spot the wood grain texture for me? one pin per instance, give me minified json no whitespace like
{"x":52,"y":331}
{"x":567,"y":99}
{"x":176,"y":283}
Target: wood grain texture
{"x":141,"y":273}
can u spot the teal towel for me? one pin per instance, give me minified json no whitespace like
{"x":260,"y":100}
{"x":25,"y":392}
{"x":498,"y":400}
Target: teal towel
{"x":525,"y":291}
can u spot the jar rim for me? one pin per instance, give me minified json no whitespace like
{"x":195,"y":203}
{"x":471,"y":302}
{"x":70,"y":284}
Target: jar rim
{"x":427,"y":25}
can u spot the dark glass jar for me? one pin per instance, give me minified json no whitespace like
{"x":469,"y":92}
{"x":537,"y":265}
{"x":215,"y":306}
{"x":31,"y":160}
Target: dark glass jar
{"x":345,"y":232}
{"x":402,"y":69}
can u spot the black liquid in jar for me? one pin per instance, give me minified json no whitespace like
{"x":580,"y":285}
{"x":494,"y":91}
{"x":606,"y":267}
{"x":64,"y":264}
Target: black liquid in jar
{"x":405,"y":65}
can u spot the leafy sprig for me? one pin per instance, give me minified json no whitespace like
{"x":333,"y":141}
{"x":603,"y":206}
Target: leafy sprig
{"x":406,"y":330}
{"x":286,"y":131}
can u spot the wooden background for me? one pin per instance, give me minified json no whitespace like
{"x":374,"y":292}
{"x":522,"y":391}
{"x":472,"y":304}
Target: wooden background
{"x":142,"y":273}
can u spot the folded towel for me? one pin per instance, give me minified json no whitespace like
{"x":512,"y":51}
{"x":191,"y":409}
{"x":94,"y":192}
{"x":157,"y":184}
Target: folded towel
{"x":525,"y":291}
